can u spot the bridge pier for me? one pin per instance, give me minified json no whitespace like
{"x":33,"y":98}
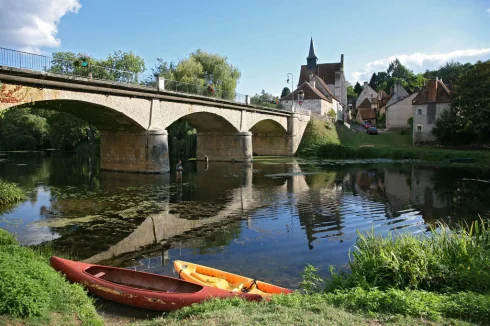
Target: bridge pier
{"x":223,"y":146}
{"x":271,"y":144}
{"x":145,"y":152}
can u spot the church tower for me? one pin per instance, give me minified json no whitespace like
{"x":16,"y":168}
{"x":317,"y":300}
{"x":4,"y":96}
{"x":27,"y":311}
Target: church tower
{"x":312,"y":59}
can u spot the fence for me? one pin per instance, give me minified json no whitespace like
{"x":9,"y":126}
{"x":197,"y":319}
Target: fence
{"x":36,"y":62}
{"x":77,"y":68}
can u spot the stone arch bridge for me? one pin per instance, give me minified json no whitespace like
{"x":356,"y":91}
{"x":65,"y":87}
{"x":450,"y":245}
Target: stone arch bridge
{"x":133,"y":119}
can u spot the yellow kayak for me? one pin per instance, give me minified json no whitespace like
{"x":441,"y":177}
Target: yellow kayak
{"x":223,"y":280}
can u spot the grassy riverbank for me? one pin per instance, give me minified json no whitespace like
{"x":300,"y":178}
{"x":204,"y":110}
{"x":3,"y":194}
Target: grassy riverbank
{"x":10,"y":193}
{"x":443,"y":279}
{"x":32,"y":293}
{"x":327,"y":141}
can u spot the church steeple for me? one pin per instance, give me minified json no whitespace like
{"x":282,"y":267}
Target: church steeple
{"x":311,"y":60}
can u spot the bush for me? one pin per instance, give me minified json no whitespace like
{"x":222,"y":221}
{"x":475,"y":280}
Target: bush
{"x":10,"y":193}
{"x":30,"y":288}
{"x":449,"y":131}
{"x":445,"y":261}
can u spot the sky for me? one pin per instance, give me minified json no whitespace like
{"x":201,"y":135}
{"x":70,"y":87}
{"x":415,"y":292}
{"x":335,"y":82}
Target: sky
{"x":265,"y":39}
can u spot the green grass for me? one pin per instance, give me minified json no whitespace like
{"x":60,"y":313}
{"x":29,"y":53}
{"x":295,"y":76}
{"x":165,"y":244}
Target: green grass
{"x":10,"y":193}
{"x":33,"y":293}
{"x":442,"y":275}
{"x":317,"y":133}
{"x":383,"y":140}
{"x":294,"y":309}
{"x":359,"y":145}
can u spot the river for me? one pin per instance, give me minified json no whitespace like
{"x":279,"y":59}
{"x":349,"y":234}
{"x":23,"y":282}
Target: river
{"x":264,"y":219}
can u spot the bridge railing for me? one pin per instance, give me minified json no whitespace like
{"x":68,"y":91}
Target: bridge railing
{"x":204,"y":90}
{"x":36,"y":62}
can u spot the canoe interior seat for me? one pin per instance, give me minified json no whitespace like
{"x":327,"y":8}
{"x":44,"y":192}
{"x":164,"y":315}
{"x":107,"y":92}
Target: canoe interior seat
{"x":205,"y":278}
{"x":100,"y":274}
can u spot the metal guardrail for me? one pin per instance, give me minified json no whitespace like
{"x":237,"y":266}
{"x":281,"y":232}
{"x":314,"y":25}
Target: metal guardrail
{"x":36,"y":62}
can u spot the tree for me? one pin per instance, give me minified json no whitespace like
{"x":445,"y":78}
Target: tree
{"x":358,"y":88}
{"x":264,"y":99}
{"x":472,"y":100}
{"x":22,"y":130}
{"x":207,"y":71}
{"x":350,"y":90}
{"x":285,"y":92}
{"x":449,"y":73}
{"x":122,"y":63}
{"x":374,"y":81}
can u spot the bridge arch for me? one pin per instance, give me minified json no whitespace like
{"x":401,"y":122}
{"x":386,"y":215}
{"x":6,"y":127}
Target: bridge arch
{"x":208,"y":122}
{"x":102,"y":117}
{"x":269,"y":137}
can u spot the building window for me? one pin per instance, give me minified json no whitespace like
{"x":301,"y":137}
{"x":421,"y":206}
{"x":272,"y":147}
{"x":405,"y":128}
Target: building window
{"x":419,"y":128}
{"x":419,"y":111}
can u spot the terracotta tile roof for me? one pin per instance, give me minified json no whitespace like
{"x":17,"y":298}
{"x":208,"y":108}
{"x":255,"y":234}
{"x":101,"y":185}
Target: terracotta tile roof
{"x":384,"y":95}
{"x":366,"y":113}
{"x":443,"y":94}
{"x":375,"y":100}
{"x":310,"y":93}
{"x":325,"y":71}
{"x":366,"y":104}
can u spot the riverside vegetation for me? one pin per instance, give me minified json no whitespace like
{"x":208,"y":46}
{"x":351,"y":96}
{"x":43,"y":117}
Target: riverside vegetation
{"x":10,"y":193}
{"x":408,"y":279}
{"x":33,"y":293}
{"x":326,"y":140}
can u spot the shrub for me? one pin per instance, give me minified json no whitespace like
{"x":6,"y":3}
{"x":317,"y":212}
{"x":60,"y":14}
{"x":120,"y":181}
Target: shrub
{"x":10,"y":193}
{"x":30,"y":288}
{"x":444,"y":261}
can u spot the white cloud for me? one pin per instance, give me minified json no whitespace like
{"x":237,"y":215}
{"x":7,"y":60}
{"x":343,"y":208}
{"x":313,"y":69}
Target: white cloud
{"x":30,"y":25}
{"x":488,"y":10}
{"x":416,"y":60}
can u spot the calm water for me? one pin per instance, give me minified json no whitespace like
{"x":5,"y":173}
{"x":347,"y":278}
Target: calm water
{"x":265,"y":220}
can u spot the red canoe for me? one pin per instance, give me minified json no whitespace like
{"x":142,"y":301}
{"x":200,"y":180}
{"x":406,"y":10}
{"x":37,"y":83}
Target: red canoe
{"x":139,"y":289}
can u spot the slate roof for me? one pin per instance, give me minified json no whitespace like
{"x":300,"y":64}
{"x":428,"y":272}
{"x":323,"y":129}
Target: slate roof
{"x":443,"y":94}
{"x":312,"y":54}
{"x":366,"y":104}
{"x":325,"y":71}
{"x":366,"y":113}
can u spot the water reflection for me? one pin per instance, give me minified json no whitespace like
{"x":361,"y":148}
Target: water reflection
{"x":262,"y":219}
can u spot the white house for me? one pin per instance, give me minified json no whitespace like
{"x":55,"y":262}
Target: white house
{"x":399,"y":108}
{"x":367,"y":93}
{"x":427,"y":107}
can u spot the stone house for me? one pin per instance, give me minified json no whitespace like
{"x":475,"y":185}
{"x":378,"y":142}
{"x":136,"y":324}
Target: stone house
{"x":399,"y":108}
{"x":315,"y":99}
{"x":366,"y":113}
{"x":323,"y":85}
{"x":367,"y":93}
{"x":427,"y":107}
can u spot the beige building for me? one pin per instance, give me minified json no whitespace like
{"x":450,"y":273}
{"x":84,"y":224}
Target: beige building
{"x":367,"y":93}
{"x":316,"y":99}
{"x":366,"y":113}
{"x":399,"y":108}
{"x":427,"y":107}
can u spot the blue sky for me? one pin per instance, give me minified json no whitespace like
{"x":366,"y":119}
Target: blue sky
{"x":264,"y":39}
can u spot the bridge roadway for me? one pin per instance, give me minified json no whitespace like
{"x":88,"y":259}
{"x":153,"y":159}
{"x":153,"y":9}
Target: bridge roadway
{"x":133,"y":119}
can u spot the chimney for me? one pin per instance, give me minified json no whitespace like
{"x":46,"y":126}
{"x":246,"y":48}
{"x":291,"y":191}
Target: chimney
{"x":398,"y":85}
{"x":342,"y":62}
{"x":432,"y":90}
{"x":364,"y":88}
{"x":391,"y":90}
{"x":313,"y":83}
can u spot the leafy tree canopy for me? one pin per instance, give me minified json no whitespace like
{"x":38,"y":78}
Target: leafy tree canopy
{"x":264,"y":99}
{"x":350,"y":90}
{"x":203,"y":69}
{"x":285,"y":92}
{"x":449,"y":73}
{"x":358,"y":88}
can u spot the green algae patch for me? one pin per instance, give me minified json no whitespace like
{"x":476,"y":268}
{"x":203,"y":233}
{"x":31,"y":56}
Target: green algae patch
{"x":64,"y":222}
{"x":33,"y":293}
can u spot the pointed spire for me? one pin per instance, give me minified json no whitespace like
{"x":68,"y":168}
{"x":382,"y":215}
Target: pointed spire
{"x":312,"y":54}
{"x":311,"y":60}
